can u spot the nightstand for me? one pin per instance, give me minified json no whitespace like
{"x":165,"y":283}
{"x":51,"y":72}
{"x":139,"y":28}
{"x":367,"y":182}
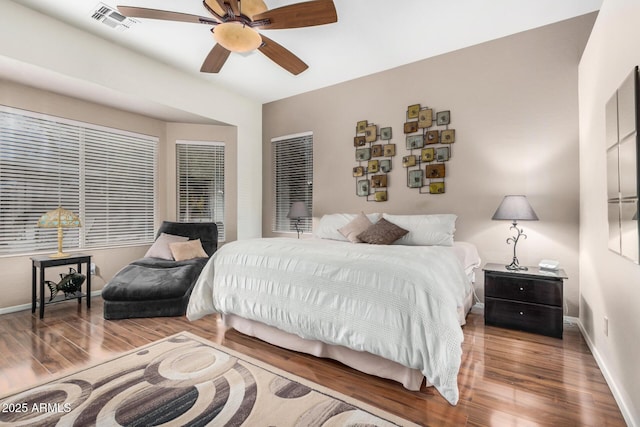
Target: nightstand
{"x":527,"y":300}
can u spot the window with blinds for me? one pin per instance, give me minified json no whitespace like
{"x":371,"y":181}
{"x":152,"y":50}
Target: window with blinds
{"x":119,"y":181}
{"x":104,"y":175}
{"x":293,"y":179}
{"x":200,"y":174}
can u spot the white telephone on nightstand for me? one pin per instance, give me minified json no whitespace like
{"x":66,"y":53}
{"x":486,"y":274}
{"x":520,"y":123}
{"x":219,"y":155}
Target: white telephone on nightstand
{"x":549,"y":264}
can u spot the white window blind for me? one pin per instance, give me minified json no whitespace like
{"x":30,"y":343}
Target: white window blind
{"x":200,"y":167}
{"x":105,"y":175}
{"x":119,"y":181}
{"x":293,"y":179}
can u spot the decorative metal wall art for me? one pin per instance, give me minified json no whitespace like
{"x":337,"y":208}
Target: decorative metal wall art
{"x":429,"y":148}
{"x":373,"y":152}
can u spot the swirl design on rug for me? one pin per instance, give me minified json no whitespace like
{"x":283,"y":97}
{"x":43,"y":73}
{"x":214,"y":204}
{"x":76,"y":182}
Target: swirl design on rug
{"x":180,"y":381}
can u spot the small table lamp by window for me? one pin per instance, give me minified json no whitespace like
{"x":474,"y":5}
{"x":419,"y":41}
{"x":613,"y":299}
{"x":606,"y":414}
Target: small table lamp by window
{"x":298,"y":211}
{"x":59,"y":218}
{"x":515,"y":208}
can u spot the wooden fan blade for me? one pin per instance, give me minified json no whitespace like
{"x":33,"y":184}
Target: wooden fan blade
{"x":299,"y":15}
{"x":282,"y":56}
{"x":215,"y":60}
{"x":234,"y":6}
{"x":165,"y":15}
{"x":215,"y":7}
{"x":253,"y":7}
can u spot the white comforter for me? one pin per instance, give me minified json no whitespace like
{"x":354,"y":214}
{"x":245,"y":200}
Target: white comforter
{"x":398,"y":302}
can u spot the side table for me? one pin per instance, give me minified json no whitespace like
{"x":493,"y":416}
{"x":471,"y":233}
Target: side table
{"x":43,"y":262}
{"x":529,"y":300}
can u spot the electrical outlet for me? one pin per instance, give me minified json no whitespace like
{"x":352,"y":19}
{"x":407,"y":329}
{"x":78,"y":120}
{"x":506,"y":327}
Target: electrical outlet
{"x":93,"y":268}
{"x":606,"y":326}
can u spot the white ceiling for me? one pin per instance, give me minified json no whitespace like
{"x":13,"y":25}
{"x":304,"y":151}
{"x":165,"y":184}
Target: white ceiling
{"x":370,"y":36}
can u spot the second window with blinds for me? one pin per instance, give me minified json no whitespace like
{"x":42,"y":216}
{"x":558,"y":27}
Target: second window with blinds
{"x":200,"y":173}
{"x":293,"y":179}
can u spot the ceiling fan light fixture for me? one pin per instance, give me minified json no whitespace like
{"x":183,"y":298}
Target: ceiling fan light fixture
{"x":237,"y":37}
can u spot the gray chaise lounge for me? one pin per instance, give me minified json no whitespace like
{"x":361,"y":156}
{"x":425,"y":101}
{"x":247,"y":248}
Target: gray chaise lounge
{"x":154,"y":287}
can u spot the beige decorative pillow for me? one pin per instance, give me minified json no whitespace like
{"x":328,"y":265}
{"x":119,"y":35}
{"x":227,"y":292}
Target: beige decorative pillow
{"x":329,"y":224}
{"x":160,"y":248}
{"x":183,"y":251}
{"x":356,"y":226}
{"x":382,"y":232}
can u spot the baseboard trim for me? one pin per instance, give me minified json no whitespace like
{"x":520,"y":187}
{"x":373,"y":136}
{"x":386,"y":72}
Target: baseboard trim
{"x":615,"y":390}
{"x":13,"y":309}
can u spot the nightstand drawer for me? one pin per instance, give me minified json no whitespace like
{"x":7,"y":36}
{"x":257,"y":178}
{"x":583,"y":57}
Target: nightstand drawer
{"x":537,"y":291}
{"x":536,"y":318}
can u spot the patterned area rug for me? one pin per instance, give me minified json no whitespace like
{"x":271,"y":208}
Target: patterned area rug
{"x":189,"y":381}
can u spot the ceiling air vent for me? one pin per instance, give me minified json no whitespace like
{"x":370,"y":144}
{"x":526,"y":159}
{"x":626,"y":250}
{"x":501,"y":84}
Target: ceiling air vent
{"x":111,"y":17}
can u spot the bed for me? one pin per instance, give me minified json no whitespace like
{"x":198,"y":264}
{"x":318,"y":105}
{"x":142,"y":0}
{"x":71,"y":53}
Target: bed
{"x":393,"y":311}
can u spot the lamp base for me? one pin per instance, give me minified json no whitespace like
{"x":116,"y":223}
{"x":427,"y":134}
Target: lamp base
{"x":515,"y":266}
{"x":60,"y":254}
{"x":297,"y":226}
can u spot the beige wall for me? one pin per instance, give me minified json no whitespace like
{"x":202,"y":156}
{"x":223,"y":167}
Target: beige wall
{"x":15,"y":287}
{"x":513,"y":105}
{"x":609,"y":284}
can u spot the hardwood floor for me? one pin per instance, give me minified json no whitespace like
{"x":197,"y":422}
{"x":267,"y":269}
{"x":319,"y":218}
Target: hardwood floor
{"x":507,"y":378}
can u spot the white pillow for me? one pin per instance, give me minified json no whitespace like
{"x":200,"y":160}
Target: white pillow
{"x":425,"y":230}
{"x":329,"y":225}
{"x":160,"y":248}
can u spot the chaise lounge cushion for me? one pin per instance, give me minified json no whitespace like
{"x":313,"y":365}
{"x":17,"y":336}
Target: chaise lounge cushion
{"x":155,"y":287}
{"x":150,"y":278}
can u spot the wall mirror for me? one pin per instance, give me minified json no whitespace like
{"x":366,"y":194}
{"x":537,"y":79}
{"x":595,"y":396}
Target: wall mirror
{"x":622,"y":117}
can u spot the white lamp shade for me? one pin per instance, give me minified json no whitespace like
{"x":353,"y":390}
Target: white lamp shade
{"x":298,"y":210}
{"x":515,"y":208}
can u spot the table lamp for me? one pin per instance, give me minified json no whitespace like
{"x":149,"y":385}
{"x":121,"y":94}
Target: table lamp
{"x":298,"y":211}
{"x":59,"y":218}
{"x":515,"y":208}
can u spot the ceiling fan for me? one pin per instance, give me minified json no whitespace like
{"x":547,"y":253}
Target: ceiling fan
{"x":234,"y":27}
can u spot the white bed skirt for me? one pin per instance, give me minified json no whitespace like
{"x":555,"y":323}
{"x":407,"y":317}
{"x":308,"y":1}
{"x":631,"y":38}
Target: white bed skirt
{"x":365,"y":362}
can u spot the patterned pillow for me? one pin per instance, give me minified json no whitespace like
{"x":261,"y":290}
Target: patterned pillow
{"x":359,"y":224}
{"x":382,"y":232}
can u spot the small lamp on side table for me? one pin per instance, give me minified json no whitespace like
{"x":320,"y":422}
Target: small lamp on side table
{"x":515,"y":208}
{"x":298,"y":211}
{"x":59,"y":218}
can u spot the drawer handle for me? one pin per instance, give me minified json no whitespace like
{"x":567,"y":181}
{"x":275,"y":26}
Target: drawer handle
{"x":521,"y":288}
{"x":521,"y":313}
